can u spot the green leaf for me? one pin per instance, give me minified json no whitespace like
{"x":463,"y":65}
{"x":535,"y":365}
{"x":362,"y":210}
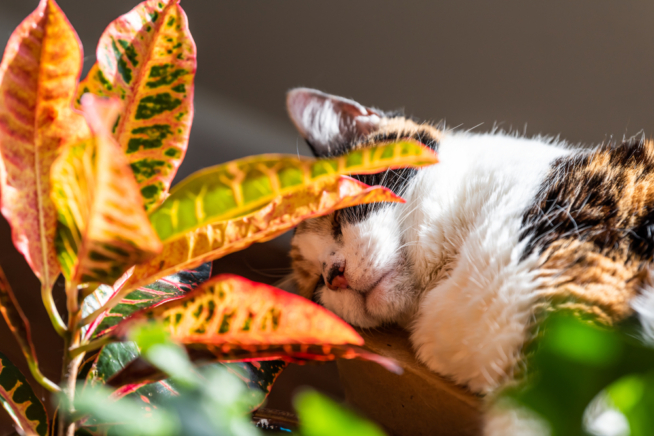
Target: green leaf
{"x":573,"y":362}
{"x":147,"y":58}
{"x":114,"y":357}
{"x":237,"y":188}
{"x":258,"y":376}
{"x":633,"y":395}
{"x":18,"y":398}
{"x":320,"y":416}
{"x":207,"y":398}
{"x":156,"y":346}
{"x":111,"y":359}
{"x":125,"y":416}
{"x":103,"y":227}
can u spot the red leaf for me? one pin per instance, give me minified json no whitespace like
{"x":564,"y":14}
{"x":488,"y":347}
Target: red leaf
{"x":230,"y":318}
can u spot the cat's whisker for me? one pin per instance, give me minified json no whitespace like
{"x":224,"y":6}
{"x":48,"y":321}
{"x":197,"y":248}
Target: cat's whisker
{"x":407,"y":215}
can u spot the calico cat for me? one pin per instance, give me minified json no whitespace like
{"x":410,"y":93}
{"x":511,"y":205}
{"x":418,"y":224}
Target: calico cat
{"x":502,"y":230}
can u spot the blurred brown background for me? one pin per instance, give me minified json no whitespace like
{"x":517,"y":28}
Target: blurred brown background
{"x":582,"y":69}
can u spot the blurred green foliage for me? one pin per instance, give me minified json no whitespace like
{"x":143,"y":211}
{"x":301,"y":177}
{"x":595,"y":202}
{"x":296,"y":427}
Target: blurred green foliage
{"x":575,"y":361}
{"x":212,"y":401}
{"x":320,"y":416}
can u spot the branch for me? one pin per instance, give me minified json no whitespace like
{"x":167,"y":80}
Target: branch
{"x":51,"y":308}
{"x":20,"y":327}
{"x":91,"y":346}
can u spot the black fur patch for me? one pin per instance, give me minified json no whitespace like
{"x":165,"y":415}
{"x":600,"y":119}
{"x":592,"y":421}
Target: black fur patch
{"x":395,"y":180}
{"x":602,"y":197}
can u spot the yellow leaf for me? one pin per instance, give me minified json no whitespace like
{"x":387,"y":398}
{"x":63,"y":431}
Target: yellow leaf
{"x":240,"y":187}
{"x":219,"y":239}
{"x":103,"y":229}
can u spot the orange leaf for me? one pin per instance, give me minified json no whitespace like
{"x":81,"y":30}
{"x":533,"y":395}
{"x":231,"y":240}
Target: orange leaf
{"x":216,"y":240}
{"x":104,"y":228}
{"x":230,"y":318}
{"x":38,"y":78}
{"x":234,"y":311}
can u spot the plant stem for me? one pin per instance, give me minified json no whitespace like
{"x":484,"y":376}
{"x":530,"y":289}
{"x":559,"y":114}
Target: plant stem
{"x":90,"y":346}
{"x":20,"y":328}
{"x":70,"y":366}
{"x":40,"y":378}
{"x":51,"y":308}
{"x":71,"y":380}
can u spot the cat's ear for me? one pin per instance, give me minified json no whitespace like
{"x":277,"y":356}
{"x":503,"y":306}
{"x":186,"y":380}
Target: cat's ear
{"x":330,"y":124}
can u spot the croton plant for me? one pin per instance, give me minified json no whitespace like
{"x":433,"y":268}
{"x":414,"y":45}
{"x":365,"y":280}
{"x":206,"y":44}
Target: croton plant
{"x":85,"y":181}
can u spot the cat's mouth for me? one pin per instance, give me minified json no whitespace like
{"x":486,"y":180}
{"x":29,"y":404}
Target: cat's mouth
{"x":371,"y":288}
{"x":366,"y":305}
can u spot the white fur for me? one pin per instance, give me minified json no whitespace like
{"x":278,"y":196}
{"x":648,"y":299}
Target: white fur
{"x":455,"y":252}
{"x":472,"y":321}
{"x":643,"y":305}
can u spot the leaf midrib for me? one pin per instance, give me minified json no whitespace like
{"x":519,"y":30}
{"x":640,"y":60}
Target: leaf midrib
{"x":45,"y":280}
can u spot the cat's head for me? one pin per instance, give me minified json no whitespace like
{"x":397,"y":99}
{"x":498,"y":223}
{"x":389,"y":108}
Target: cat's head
{"x":354,"y":261}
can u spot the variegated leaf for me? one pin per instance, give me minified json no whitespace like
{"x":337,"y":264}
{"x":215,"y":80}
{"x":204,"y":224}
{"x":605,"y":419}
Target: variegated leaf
{"x":238,"y":188}
{"x":114,"y":358}
{"x":170,"y":287}
{"x":140,"y":373}
{"x":18,"y":398}
{"x":38,"y":79}
{"x":166,"y":288}
{"x":280,"y":215}
{"x":147,"y":58}
{"x":230,"y":318}
{"x":259,"y":376}
{"x":103,"y":226}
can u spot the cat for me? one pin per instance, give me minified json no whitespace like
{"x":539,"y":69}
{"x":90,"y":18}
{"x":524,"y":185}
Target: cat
{"x":502,"y":230}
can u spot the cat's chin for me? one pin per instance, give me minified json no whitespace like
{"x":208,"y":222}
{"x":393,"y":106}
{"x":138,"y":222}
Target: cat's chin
{"x":378,"y":300}
{"x":381,"y":304}
{"x":349,"y":305}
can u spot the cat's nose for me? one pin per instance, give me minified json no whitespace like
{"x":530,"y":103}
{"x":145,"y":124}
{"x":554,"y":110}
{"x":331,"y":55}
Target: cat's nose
{"x":335,"y":279}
